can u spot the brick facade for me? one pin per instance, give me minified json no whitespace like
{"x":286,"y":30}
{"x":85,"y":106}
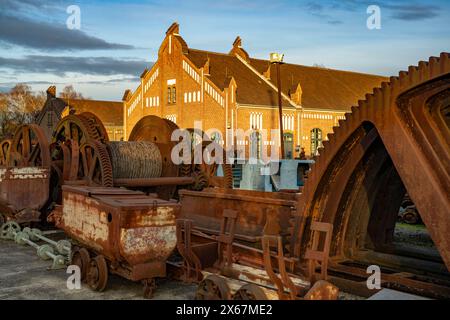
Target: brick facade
{"x":229,"y":91}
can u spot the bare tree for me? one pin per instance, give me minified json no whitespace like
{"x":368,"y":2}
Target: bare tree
{"x":69,"y":93}
{"x":18,"y":106}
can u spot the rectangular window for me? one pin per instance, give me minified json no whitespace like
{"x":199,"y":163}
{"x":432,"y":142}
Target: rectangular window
{"x":198,"y":96}
{"x":185,"y":97}
{"x":190,"y":97}
{"x":174,"y":94}
{"x":169,"y":95}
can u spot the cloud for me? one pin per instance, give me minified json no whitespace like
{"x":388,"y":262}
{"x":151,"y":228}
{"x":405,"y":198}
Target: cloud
{"x":413,"y":12}
{"x":60,"y":65}
{"x":12,"y":5}
{"x":34,"y":34}
{"x":397,"y":10}
{"x":320,"y":10}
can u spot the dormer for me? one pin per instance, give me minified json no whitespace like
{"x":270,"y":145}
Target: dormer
{"x":266,"y":73}
{"x":296,"y":95}
{"x":238,"y":50}
{"x":126,"y":96}
{"x":144,"y":73}
{"x":206,"y":67}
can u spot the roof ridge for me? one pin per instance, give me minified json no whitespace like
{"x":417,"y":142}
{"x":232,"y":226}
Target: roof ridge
{"x":294,"y":64}
{"x":212,"y":52}
{"x":326,"y":69}
{"x":90,"y":100}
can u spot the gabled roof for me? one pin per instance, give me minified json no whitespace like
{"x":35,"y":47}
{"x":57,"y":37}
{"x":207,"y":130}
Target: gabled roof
{"x":109,"y":112}
{"x":321,"y":87}
{"x":251,"y":88}
{"x":52,"y":103}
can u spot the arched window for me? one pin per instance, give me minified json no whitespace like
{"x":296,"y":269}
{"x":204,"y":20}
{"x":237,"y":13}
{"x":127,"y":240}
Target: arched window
{"x":169,"y":95}
{"x":174,"y":94}
{"x":316,"y":140}
{"x":255,"y":145}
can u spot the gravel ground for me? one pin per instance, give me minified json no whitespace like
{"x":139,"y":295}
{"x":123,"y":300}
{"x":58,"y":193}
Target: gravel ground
{"x":25,"y":276}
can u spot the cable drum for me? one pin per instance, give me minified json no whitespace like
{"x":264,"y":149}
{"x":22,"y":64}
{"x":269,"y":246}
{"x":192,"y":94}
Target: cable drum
{"x":135,"y":159}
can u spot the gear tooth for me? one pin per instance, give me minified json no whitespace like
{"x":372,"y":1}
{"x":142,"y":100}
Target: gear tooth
{"x":347,"y":115}
{"x":435,"y":68}
{"x":330,"y":136}
{"x":395,"y":85}
{"x":384,"y":85}
{"x":444,"y":61}
{"x":413,"y":73}
{"x":423,"y":71}
{"x":404,"y":79}
{"x":393,"y":79}
{"x":361,"y":104}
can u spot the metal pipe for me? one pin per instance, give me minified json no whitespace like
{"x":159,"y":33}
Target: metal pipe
{"x":60,"y":246}
{"x":280,"y":110}
{"x":153,"y":182}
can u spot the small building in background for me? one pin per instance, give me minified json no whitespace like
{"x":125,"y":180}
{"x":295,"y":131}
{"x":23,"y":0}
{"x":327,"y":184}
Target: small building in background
{"x":55,"y":108}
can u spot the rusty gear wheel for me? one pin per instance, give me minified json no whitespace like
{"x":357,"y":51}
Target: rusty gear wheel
{"x":29,"y":147}
{"x":96,"y":128}
{"x":95,"y":165}
{"x":80,"y":128}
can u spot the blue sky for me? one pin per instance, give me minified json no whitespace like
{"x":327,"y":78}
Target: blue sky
{"x":118,"y":38}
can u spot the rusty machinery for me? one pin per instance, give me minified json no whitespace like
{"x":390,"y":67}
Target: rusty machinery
{"x":144,"y":161}
{"x":81,"y":155}
{"x":117,"y":230}
{"x":24,"y":175}
{"x":250,"y":245}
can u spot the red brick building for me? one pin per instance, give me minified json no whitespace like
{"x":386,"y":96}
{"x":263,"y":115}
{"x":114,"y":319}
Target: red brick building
{"x":234,"y":91}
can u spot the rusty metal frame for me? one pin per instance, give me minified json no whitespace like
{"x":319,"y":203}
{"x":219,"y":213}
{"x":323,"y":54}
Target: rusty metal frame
{"x":315,"y":256}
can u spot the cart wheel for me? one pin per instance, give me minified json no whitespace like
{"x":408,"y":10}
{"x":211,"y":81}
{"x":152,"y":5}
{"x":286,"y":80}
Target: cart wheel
{"x":9,"y":229}
{"x":81,"y":258}
{"x":250,"y":292}
{"x":149,"y":288}
{"x":97,"y":275}
{"x":410,"y":216}
{"x":213,"y":287}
